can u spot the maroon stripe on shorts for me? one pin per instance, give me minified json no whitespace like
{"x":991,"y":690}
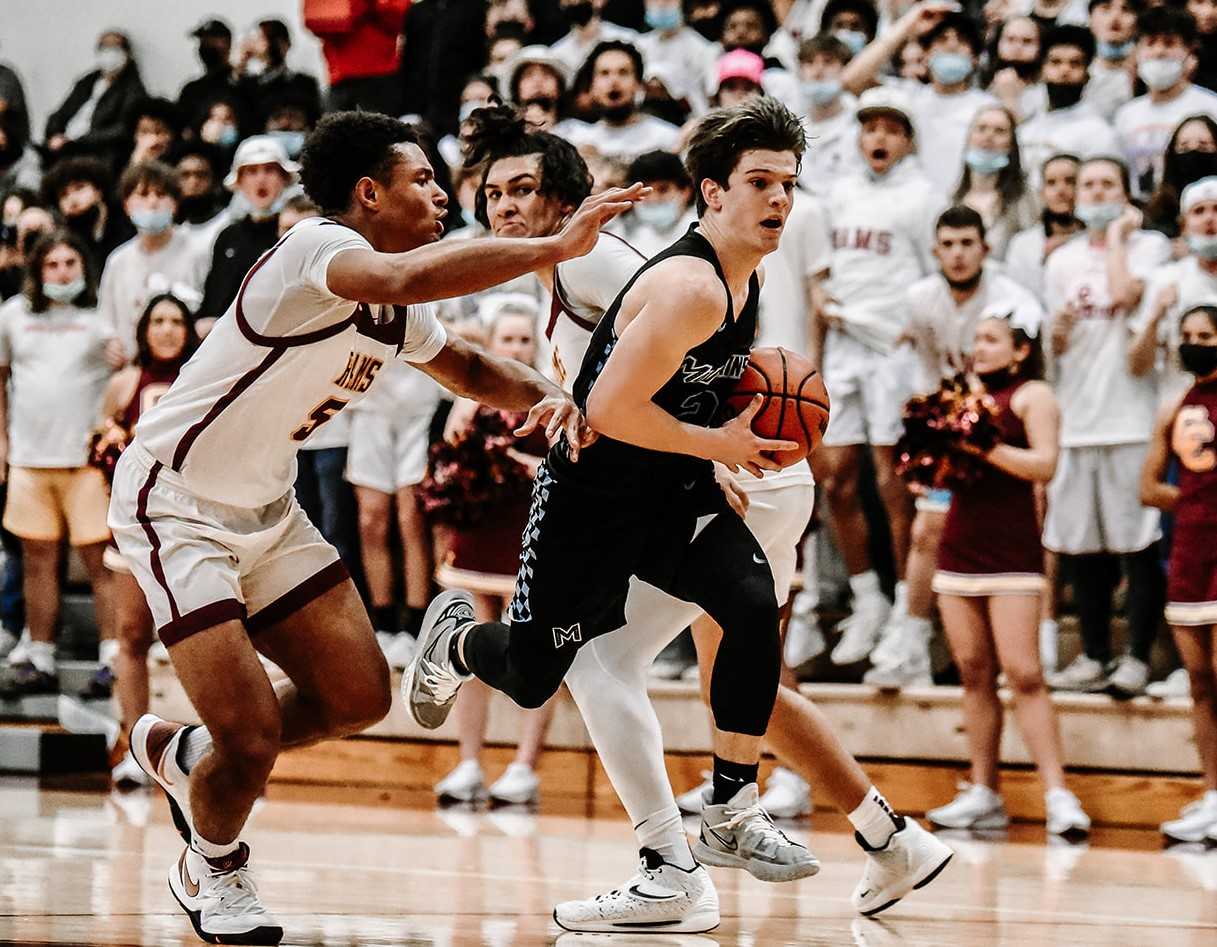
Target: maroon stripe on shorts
{"x":233,"y":393}
{"x":141,"y":514}
{"x":290,"y":602}
{"x":207,"y":616}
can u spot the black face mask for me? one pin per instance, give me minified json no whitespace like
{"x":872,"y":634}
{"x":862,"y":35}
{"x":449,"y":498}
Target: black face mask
{"x":1062,"y":95}
{"x":710,"y":27}
{"x":1184,"y":167}
{"x":1055,"y":222}
{"x":616,"y":114}
{"x":197,"y":210}
{"x":1200,"y":360}
{"x":85,"y":222}
{"x":1024,"y":69}
{"x":212,"y":58}
{"x":578,"y":14}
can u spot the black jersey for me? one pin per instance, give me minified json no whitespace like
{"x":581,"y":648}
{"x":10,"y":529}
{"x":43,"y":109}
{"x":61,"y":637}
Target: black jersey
{"x":696,"y":393}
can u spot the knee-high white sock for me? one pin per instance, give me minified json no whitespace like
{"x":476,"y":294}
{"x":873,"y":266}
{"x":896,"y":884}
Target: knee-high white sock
{"x":664,"y":832}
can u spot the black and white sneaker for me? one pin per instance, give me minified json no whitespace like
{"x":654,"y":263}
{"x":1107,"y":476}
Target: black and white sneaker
{"x":430,"y":684}
{"x":740,"y":834}
{"x":910,"y":860}
{"x":660,"y":898}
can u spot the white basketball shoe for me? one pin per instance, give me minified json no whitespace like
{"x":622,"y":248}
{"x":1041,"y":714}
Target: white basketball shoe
{"x":154,"y":744}
{"x":910,"y":860}
{"x":430,"y":684}
{"x":659,"y":899}
{"x":221,"y":900}
{"x":740,"y":834}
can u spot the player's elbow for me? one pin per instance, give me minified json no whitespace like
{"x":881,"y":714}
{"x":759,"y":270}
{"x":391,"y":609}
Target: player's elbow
{"x":599,"y":411}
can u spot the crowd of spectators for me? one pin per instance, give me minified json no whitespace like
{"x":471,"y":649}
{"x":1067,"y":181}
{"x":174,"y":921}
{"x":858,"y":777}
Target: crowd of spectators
{"x":1057,"y":158}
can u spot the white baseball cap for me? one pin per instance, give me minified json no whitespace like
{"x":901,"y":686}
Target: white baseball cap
{"x":1197,"y":192}
{"x":260,"y":149}
{"x":881,"y":100}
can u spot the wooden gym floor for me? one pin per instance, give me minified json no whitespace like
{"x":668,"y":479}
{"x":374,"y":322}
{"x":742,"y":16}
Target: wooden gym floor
{"x":367,"y":867}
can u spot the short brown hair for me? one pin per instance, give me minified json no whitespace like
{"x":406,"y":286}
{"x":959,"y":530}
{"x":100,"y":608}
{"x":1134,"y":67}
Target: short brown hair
{"x":150,"y":174}
{"x":723,"y":135}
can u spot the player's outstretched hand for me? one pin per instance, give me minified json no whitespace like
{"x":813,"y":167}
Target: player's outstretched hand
{"x":583,"y":229}
{"x":559,"y":413}
{"x":741,"y":447}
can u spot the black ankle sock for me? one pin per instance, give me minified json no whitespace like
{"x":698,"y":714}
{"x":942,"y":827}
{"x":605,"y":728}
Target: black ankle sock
{"x":455,"y":657}
{"x":384,"y":618}
{"x":411,"y":619}
{"x":730,"y":778}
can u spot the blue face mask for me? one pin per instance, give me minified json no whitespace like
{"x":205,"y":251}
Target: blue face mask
{"x":152,"y":221}
{"x":1114,"y":52}
{"x":854,"y":39}
{"x":228,"y":137}
{"x":292,"y":141}
{"x":1098,"y":216}
{"x":663,"y":18}
{"x":1203,"y":246}
{"x":950,"y":68}
{"x":660,"y":215}
{"x":822,"y":91}
{"x":983,"y":161}
{"x":63,"y":292}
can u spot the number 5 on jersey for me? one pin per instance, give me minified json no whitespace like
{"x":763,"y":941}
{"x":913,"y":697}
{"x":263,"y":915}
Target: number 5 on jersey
{"x":317,"y":417}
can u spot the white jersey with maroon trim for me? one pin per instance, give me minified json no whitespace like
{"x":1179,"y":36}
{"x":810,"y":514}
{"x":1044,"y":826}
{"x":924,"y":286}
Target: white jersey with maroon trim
{"x":287,"y":356}
{"x":583,"y":289}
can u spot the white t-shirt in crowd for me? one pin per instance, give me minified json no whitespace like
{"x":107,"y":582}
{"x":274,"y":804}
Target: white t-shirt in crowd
{"x":285,"y":358}
{"x":832,"y":149}
{"x":1144,"y":128}
{"x":58,"y":377}
{"x":686,"y":55}
{"x":584,"y":288}
{"x":1110,"y":86}
{"x":573,"y":51}
{"x":1102,"y":403}
{"x":1196,"y":286}
{"x":942,"y":123}
{"x":132,"y":276}
{"x":1024,"y":260}
{"x":623,"y":142}
{"x":882,"y":238}
{"x":804,"y":251}
{"x":943,"y":331}
{"x":1078,"y":130}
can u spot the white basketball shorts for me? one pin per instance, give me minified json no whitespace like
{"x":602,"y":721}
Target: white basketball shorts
{"x":868,"y":391}
{"x":388,"y":452}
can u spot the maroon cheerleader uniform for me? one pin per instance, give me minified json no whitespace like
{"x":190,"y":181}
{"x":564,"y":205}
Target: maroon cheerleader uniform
{"x":485,"y":556}
{"x":1191,"y":584}
{"x":991,"y":539}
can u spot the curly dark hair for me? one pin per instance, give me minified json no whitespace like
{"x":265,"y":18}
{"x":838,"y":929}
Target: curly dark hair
{"x":143,"y":357}
{"x":33,"y":272}
{"x":347,"y":146}
{"x":723,"y":135}
{"x":72,"y":170}
{"x":500,"y":131}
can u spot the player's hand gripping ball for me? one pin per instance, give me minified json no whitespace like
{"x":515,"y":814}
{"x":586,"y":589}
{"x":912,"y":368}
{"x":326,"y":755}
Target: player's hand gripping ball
{"x":796,"y":402}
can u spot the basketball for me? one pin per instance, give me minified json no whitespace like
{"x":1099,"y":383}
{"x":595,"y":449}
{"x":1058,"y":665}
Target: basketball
{"x":796,"y":402}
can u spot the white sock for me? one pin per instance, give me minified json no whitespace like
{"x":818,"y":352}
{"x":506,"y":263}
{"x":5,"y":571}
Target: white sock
{"x":213,"y":850}
{"x":874,"y":819}
{"x":664,"y":832}
{"x":42,"y":656}
{"x":901,"y":603}
{"x":195,"y":745}
{"x":107,"y":651}
{"x":865,"y":584}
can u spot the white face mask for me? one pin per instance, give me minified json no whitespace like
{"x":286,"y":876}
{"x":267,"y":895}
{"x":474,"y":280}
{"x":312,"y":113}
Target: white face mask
{"x":64,"y":292}
{"x":110,"y":59}
{"x":1160,"y":74}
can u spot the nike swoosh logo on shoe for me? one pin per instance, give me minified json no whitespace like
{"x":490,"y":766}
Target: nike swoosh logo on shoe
{"x":192,"y":888}
{"x":730,"y":846}
{"x":636,"y":892}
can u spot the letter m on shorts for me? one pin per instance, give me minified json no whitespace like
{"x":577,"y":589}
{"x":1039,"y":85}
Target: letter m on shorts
{"x":566,"y":635}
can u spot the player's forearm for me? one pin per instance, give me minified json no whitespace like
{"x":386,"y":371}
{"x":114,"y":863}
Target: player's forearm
{"x":504,"y":383}
{"x":1162,"y":496}
{"x":1036,"y":465}
{"x":457,"y":267}
{"x":647,"y":425}
{"x":861,"y":72}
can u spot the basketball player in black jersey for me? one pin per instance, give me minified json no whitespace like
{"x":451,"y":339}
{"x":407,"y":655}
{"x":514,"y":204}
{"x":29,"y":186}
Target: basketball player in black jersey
{"x":643,"y":501}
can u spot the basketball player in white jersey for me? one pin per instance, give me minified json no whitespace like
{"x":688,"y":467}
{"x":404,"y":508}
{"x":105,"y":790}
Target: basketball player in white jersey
{"x":202,"y":506}
{"x":882,"y":229}
{"x":609,"y":676}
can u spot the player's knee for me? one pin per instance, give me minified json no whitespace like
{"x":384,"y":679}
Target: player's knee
{"x":532,"y":694}
{"x":373,"y":523}
{"x":1025,"y":681}
{"x":841,"y":491}
{"x":359,"y":706}
{"x":976,"y":673}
